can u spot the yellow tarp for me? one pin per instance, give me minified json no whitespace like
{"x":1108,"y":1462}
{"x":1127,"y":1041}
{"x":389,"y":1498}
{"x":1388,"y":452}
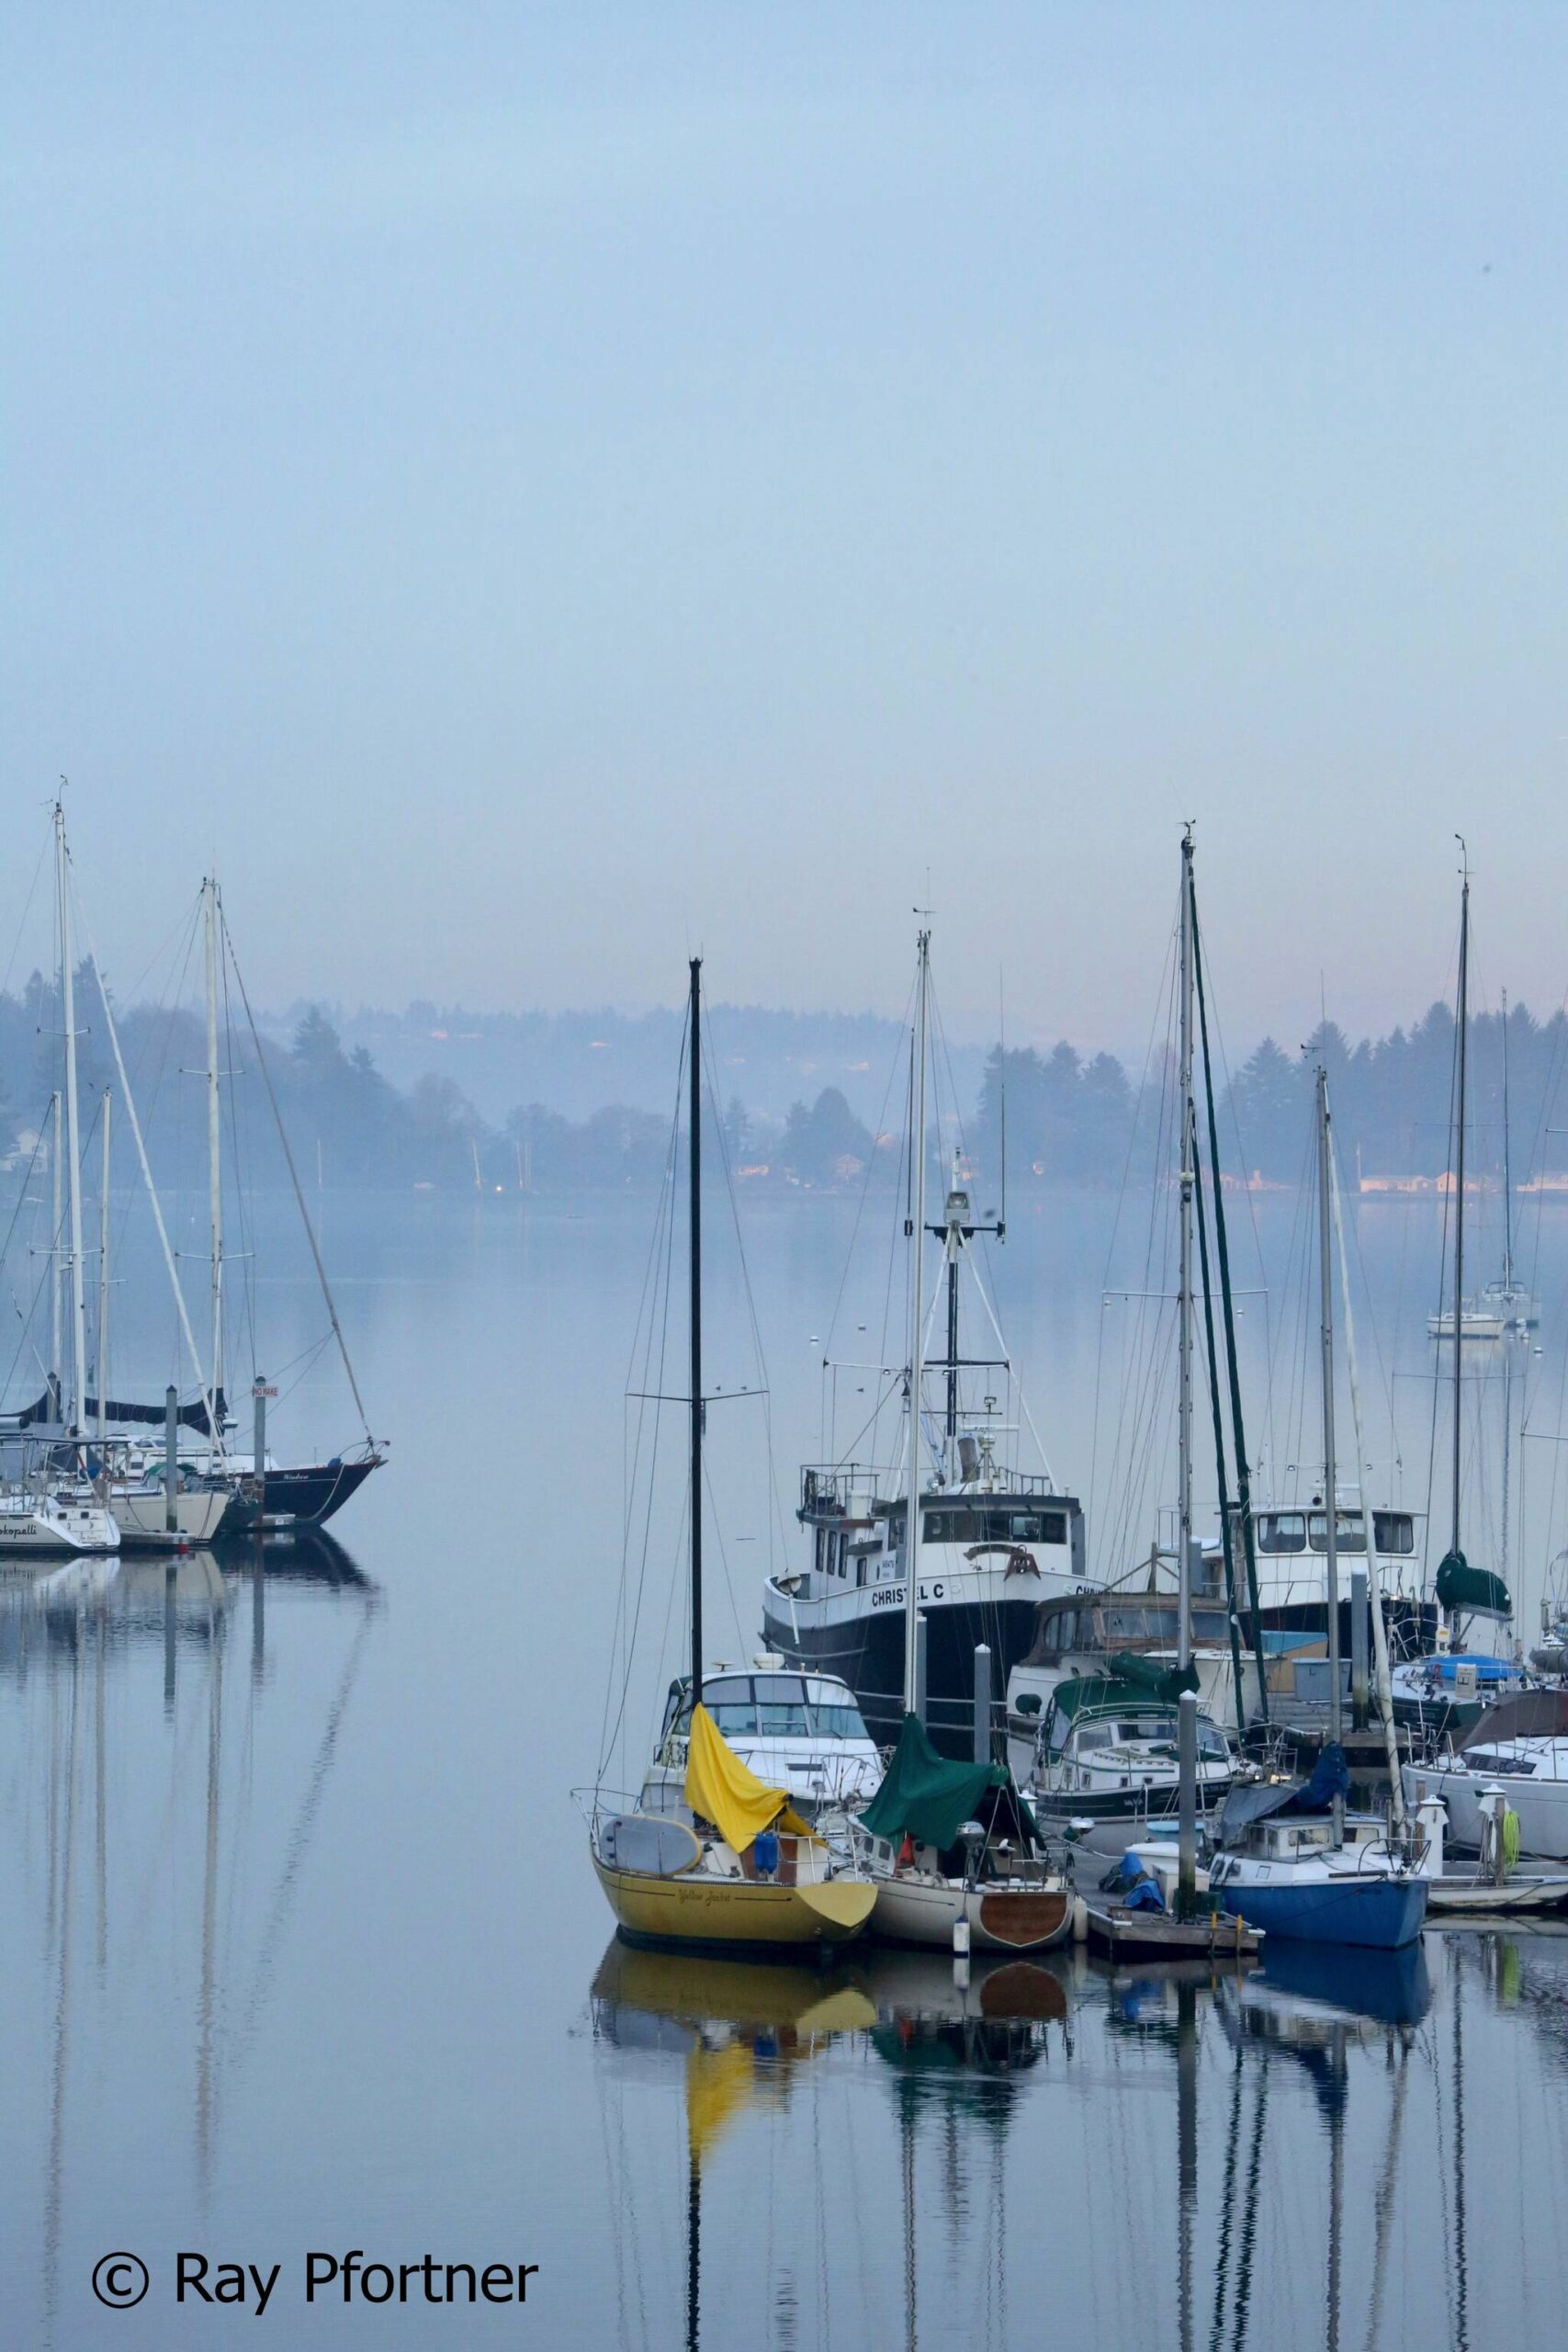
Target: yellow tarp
{"x":728,"y":1793}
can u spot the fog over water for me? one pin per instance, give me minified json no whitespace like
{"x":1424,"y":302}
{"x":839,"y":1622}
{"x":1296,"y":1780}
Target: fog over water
{"x":303,"y":1950}
{"x":519,"y":490}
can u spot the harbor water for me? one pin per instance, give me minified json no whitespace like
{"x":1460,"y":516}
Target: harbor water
{"x":303,"y":1954}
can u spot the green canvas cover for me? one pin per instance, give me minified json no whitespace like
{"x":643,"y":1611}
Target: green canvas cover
{"x":1094,"y":1694}
{"x":1166,"y":1682}
{"x":928,"y":1798}
{"x":1461,"y":1586}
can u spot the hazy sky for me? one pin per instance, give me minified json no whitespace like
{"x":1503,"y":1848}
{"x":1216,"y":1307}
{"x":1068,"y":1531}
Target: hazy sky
{"x":532,"y":488}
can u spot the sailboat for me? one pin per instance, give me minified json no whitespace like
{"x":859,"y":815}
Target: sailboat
{"x":1096,"y":1712}
{"x":50,"y":1506}
{"x":954,"y":1848}
{"x":1506,"y":1307}
{"x":1295,"y":1863}
{"x":1463,"y":1592}
{"x":740,"y":1868}
{"x":219,"y":1490}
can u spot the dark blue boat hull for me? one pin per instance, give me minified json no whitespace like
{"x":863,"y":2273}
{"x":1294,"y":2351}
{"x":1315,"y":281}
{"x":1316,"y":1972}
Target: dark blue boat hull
{"x":1382,"y":1913}
{"x":303,"y":1497}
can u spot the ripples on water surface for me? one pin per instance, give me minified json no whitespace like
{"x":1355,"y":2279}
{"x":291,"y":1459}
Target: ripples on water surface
{"x":301,"y":1949}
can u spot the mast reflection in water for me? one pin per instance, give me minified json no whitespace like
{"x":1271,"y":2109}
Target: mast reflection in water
{"x":142,"y":1850}
{"x":1279,"y":2154}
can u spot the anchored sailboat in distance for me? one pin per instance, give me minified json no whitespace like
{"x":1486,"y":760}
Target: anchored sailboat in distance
{"x":269,"y":1494}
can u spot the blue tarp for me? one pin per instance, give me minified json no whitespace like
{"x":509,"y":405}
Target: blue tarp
{"x":1263,"y":1799}
{"x":1133,"y":1885}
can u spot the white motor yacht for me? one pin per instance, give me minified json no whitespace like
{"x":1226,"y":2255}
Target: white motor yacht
{"x":802,"y":1733}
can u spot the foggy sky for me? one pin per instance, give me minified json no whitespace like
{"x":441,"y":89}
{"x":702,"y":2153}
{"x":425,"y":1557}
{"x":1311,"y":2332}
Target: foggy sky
{"x":531,"y":491}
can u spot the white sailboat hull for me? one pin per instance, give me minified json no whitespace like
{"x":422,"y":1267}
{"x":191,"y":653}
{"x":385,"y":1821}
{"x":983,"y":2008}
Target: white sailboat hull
{"x":141,"y":1517}
{"x":1541,"y":1803}
{"x":918,"y":1907}
{"x":45,"y":1529}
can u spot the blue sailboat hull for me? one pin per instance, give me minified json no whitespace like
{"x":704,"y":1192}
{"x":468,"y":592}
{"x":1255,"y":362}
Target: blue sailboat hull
{"x":1381,"y":1913}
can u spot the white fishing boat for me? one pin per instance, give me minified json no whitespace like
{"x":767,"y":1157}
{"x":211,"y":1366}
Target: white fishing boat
{"x":1290,"y":1544}
{"x":991,"y":1538}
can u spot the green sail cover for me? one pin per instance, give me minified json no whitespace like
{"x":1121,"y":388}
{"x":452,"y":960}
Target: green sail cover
{"x":1145,"y":1675}
{"x":928,"y":1798}
{"x":1464,"y":1589}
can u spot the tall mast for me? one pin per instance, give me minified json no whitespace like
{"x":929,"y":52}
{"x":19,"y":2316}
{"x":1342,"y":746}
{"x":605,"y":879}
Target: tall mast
{"x":103,"y":1365}
{"x":954,"y":1243}
{"x":1458,"y":1175}
{"x":56,"y":1270}
{"x":214,"y":1169}
{"x":1330,"y":1467}
{"x":696,"y":1278}
{"x":1184,"y":1409}
{"x":1507,"y":1167}
{"x":73,"y":1168}
{"x":1186,"y":1704}
{"x":1369,"y":1517}
{"x":917,"y":1233}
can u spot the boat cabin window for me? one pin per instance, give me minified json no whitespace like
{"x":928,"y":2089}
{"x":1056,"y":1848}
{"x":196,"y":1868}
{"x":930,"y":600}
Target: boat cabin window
{"x":1282,"y":1530}
{"x":1212,"y":1744}
{"x":775,"y":1706}
{"x":1393,"y":1531}
{"x":1350,"y":1531}
{"x":781,"y":1705}
{"x":728,"y":1698}
{"x":830,"y":1552}
{"x":839,"y":1722}
{"x":992,"y":1523}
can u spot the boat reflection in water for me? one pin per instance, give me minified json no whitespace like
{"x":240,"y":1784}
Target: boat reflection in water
{"x":739,"y":2036}
{"x":904,"y":2125}
{"x":148,"y":1813}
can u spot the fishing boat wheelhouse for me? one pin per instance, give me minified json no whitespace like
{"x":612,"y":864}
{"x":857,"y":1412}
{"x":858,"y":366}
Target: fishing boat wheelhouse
{"x":1291,"y":1542}
{"x":993,"y":1544}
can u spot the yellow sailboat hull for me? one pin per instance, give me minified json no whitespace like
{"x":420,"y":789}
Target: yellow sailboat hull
{"x":690,"y":1908}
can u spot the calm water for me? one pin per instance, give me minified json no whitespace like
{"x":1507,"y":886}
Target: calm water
{"x":301,"y":1950}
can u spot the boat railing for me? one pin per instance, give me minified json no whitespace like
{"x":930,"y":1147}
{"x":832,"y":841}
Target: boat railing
{"x":830,"y":1485}
{"x":863,"y":1489}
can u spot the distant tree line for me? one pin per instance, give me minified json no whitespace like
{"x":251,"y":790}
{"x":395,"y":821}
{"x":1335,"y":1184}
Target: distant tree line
{"x":1068,"y":1119}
